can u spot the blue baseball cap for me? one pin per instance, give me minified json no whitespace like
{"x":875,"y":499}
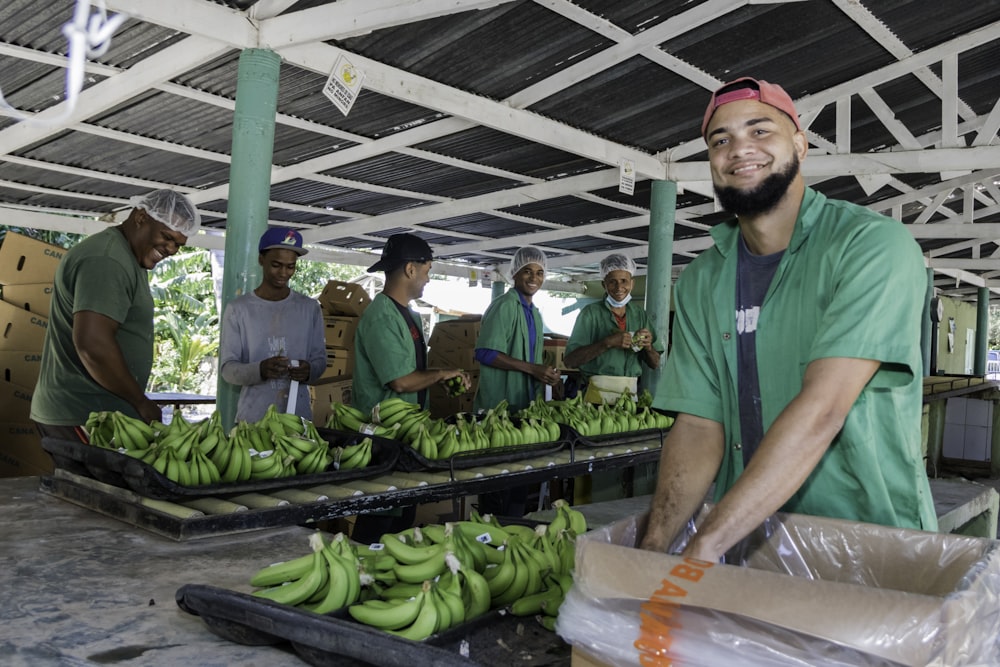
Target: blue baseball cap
{"x":281,"y":238}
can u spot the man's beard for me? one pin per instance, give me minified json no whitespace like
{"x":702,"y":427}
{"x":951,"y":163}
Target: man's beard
{"x":762,"y":198}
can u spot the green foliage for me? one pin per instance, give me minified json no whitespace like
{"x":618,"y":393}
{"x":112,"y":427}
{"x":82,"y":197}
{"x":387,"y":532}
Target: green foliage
{"x":994,"y":335}
{"x":310,"y":276}
{"x":64,"y":239}
{"x":185,"y":323}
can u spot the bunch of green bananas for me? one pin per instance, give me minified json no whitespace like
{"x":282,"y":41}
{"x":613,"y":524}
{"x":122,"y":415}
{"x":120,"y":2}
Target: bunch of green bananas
{"x":455,"y":386}
{"x":421,"y":581}
{"x":323,"y":581}
{"x":116,"y":430}
{"x":344,"y":417}
{"x":354,"y":456}
{"x":194,"y":454}
{"x":439,"y":439}
{"x":587,"y":419}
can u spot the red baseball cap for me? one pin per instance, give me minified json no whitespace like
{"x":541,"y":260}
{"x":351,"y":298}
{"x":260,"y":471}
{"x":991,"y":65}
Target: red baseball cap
{"x":762,"y":91}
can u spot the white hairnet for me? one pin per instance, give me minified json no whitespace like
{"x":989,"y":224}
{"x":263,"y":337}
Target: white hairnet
{"x":617,"y":262}
{"x":171,"y":208}
{"x":527,"y":255}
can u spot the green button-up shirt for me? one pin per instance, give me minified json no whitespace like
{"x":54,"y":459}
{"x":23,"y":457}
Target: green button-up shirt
{"x":850,"y":284}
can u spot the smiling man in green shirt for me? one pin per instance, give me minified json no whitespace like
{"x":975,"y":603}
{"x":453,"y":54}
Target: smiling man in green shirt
{"x":796,"y":369}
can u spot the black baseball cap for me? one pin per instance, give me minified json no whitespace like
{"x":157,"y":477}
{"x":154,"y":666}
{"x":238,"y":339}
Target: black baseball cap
{"x":400,"y":249}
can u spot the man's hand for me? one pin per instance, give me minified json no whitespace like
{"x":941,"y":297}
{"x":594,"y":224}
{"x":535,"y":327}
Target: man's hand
{"x":619,"y":339}
{"x":149,"y":411}
{"x":545,"y":374}
{"x":300,"y":372}
{"x":274,"y":368}
{"x":643,"y":337}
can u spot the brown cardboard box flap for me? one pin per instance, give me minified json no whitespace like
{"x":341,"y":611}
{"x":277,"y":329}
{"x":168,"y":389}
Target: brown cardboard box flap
{"x":34,"y":297}
{"x":27,"y":260}
{"x":807,"y":585}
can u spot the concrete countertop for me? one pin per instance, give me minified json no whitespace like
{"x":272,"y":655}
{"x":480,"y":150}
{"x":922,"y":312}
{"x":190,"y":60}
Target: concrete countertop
{"x":79,"y":588}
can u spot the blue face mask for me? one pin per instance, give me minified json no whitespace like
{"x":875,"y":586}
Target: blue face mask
{"x":618,"y":304}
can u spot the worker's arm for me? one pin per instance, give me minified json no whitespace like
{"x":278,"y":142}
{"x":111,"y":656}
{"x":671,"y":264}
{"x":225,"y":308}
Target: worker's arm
{"x":95,"y":342}
{"x":544,"y":374}
{"x":689,"y":462}
{"x":648,"y":353}
{"x":419,"y":380}
{"x":787,"y":455}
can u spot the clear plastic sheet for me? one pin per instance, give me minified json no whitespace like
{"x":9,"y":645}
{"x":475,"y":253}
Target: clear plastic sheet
{"x":800,"y":590}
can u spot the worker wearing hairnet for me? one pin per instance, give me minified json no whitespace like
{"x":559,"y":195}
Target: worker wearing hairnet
{"x":509,"y":348}
{"x":612,"y":337}
{"x":509,"y":351}
{"x":98,"y":349}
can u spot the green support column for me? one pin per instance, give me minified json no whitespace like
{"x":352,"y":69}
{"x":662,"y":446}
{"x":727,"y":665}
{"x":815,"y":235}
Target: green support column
{"x":662,"y":211}
{"x":926,"y":325}
{"x":249,"y":187}
{"x":982,"y":331}
{"x":499,"y":287}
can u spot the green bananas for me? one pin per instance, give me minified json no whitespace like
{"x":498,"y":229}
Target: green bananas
{"x":323,"y":581}
{"x":195,"y":454}
{"x":587,"y":419}
{"x":355,"y":456}
{"x":455,"y":386}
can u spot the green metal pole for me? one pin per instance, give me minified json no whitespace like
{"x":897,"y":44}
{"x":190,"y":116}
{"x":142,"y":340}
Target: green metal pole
{"x":249,"y":187}
{"x":926,"y":325}
{"x":499,"y":287}
{"x":662,"y":212}
{"x":982,"y":331}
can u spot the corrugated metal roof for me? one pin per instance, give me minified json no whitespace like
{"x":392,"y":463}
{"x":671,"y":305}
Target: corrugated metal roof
{"x":493,"y":124}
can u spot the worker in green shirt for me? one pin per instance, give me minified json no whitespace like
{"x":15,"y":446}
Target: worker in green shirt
{"x":390,"y":351}
{"x":509,"y":352}
{"x":509,"y":347}
{"x":612,"y":338}
{"x":795,"y":371}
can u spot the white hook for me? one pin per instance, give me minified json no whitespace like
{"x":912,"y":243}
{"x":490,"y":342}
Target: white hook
{"x":88,"y":37}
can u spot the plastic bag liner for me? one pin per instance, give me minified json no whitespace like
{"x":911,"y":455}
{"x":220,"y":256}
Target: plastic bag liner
{"x":800,"y":590}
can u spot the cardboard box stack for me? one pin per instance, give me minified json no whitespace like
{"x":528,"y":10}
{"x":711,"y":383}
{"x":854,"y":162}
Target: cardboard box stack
{"x":27,"y":269}
{"x":342,"y":304}
{"x":453,"y":345}
{"x":554,"y":351}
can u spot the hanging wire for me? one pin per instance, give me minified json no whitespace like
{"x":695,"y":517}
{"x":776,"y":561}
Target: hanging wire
{"x":88,"y":37}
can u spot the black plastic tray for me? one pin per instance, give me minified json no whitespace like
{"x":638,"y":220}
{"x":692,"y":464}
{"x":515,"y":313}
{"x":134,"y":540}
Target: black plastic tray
{"x":112,"y":467}
{"x":336,"y":640}
{"x":625,"y":438}
{"x":410,"y":460}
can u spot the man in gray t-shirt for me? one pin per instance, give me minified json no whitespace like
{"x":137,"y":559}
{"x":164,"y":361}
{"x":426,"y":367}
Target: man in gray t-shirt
{"x":273,"y":335}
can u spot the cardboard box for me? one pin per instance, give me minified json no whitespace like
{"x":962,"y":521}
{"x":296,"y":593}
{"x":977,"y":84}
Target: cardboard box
{"x":460,"y":333}
{"x":443,"y":356}
{"x":554,"y":355}
{"x":339,"y":331}
{"x":339,"y":363}
{"x":21,"y":329}
{"x":580,"y":658}
{"x":442,"y":405}
{"x":21,"y":453}
{"x":34,"y":297}
{"x":20,"y":367}
{"x":340,"y":298}
{"x":15,"y":402}
{"x":27,"y":260}
{"x":324,"y":394}
{"x":810,"y":590}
